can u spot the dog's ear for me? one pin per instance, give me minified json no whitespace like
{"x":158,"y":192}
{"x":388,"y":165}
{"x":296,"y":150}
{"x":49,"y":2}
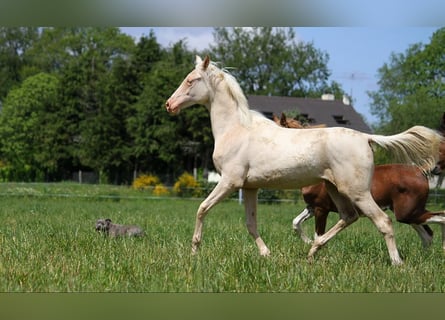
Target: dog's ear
{"x":108,"y":221}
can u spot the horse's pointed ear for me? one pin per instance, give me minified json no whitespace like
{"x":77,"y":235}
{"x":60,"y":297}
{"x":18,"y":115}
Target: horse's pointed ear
{"x":206,"y":62}
{"x":283,"y":120}
{"x":198,"y":60}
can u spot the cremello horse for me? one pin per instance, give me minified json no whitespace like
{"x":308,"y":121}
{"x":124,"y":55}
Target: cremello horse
{"x":252,"y":152}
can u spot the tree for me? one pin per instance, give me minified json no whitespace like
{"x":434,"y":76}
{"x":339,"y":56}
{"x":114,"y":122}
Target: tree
{"x":14,"y":43}
{"x":148,"y":51}
{"x":156,"y":147}
{"x":411,"y":87}
{"x":29,"y":128}
{"x":97,"y":89}
{"x":269,"y":61}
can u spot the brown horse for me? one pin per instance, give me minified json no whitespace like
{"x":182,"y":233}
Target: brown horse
{"x":293,"y":123}
{"x":403,"y":189}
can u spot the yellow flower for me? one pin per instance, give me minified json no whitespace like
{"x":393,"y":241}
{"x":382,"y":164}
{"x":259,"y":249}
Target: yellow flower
{"x":160,"y":190}
{"x":186,"y":185}
{"x":145,"y":181}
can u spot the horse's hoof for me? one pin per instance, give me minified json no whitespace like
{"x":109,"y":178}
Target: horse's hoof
{"x":397,"y":263}
{"x":194,"y":250}
{"x":310,"y":259}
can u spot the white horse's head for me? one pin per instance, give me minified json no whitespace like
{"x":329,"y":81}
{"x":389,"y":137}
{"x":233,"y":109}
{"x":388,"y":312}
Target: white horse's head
{"x":194,"y":89}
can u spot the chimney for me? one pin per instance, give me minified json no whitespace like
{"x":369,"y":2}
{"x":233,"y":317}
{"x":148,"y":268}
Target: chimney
{"x":328,"y":97}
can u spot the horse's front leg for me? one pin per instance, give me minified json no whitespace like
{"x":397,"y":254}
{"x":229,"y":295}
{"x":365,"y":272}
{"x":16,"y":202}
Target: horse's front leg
{"x":250,"y":206}
{"x":298,"y":221}
{"x":221,"y":191}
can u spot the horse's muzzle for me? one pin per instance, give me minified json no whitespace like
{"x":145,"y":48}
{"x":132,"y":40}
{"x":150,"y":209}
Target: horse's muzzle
{"x":171,"y":108}
{"x":167,"y":105}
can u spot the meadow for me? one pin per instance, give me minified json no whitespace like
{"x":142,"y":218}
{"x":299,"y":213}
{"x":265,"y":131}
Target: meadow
{"x":48,"y":244}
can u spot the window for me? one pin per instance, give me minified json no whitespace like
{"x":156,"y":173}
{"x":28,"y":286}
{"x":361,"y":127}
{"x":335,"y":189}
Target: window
{"x":268,"y":115}
{"x":340,"y":119}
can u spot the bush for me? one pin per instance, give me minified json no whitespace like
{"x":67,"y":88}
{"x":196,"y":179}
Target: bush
{"x":187,"y":186}
{"x":269,"y":196}
{"x":160,"y":190}
{"x":22,"y":173}
{"x":145,"y":181}
{"x":276,"y":196}
{"x":151,"y":182}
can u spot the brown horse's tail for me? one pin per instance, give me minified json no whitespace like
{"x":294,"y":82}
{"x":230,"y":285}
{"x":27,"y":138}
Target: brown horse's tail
{"x":418,"y":146}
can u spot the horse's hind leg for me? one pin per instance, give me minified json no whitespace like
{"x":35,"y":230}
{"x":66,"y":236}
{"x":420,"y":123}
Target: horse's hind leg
{"x":426,"y":237}
{"x":369,"y":208}
{"x":321,"y":240}
{"x":250,"y":206}
{"x":439,"y":218}
{"x":348,"y":215}
{"x":222,"y":190}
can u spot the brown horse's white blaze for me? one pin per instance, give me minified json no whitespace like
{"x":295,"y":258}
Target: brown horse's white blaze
{"x":252,"y":152}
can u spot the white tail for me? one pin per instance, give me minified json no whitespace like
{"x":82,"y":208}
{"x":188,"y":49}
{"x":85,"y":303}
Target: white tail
{"x":418,"y":145}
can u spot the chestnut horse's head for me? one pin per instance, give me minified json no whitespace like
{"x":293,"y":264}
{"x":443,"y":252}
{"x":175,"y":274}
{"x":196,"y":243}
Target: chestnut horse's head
{"x":286,"y":122}
{"x":440,"y":165}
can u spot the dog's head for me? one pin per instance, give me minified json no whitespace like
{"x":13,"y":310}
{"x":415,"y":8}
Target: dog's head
{"x":103,"y":225}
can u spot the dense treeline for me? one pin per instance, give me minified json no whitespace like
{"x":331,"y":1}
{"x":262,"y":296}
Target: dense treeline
{"x":91,"y":99}
{"x":88,"y":99}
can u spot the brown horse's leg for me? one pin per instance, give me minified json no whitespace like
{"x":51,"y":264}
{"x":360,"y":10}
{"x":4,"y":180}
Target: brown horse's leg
{"x":250,"y":206}
{"x":409,"y":208}
{"x":321,"y":217}
{"x":430,"y":217}
{"x":424,"y":235}
{"x":307,"y":213}
{"x":221,"y":190}
{"x":439,"y":218}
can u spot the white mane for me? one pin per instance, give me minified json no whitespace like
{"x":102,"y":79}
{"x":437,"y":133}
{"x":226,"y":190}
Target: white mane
{"x":235,"y":92}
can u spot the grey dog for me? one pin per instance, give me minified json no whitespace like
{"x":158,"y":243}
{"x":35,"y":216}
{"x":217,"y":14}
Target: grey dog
{"x":115,"y":230}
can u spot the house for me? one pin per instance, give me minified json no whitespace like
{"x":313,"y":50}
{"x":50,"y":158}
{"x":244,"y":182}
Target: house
{"x":327,"y":110}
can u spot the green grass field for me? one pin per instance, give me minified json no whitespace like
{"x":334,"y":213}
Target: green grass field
{"x":48,"y":244}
